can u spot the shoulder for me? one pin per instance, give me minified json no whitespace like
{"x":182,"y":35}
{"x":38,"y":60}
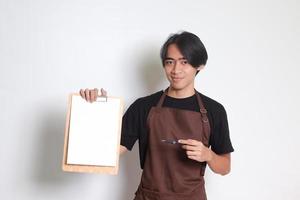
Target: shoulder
{"x":146,"y":102}
{"x":138,"y":111}
{"x":219,"y":140}
{"x":212,"y":106}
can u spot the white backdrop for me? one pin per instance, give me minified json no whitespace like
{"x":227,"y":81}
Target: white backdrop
{"x":51,"y":48}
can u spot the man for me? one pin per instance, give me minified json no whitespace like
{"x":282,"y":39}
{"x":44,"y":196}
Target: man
{"x":179,"y":129}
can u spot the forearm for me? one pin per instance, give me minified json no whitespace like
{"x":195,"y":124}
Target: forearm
{"x":219,"y":164}
{"x":122,"y":149}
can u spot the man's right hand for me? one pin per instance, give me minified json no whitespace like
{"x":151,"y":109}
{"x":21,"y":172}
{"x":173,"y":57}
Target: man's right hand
{"x":91,"y":95}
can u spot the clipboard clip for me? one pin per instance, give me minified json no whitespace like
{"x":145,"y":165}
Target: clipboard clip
{"x":101,"y":98}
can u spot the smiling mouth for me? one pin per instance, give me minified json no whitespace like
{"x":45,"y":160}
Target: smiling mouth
{"x":176,"y":79}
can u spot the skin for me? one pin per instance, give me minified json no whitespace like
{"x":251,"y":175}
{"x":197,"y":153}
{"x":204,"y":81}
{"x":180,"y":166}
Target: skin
{"x":181,"y":76}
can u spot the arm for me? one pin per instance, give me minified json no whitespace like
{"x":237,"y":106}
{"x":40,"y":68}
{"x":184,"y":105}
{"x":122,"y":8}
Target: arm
{"x":122,"y":150}
{"x":220,"y":164}
{"x":196,"y":150}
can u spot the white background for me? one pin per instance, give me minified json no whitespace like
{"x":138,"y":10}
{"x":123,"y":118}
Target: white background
{"x":49,"y":49}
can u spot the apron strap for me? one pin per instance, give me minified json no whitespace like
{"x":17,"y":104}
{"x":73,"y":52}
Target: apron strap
{"x":205,"y":121}
{"x":206,"y":127}
{"x":203,"y":112}
{"x":162,"y":98}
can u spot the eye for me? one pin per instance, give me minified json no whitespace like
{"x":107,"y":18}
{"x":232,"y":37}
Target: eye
{"x":184,"y":62}
{"x":169,"y":62}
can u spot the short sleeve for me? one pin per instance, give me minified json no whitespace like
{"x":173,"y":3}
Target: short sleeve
{"x":129,"y":132}
{"x":220,"y":138}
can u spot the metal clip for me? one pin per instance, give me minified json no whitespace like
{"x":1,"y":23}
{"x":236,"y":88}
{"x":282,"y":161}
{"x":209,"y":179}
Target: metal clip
{"x":101,"y":99}
{"x":203,"y":110}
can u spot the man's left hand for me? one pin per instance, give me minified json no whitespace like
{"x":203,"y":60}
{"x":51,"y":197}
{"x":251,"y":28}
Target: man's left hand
{"x":196,"y":150}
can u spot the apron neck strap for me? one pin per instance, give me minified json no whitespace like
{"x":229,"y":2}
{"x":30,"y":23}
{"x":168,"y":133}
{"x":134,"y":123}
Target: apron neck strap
{"x":162,"y":98}
{"x":203,"y":111}
{"x":199,"y":100}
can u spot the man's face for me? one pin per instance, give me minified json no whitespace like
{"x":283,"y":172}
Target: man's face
{"x":179,"y":72}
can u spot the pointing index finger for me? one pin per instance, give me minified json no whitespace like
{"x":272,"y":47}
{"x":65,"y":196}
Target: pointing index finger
{"x":190,"y":142}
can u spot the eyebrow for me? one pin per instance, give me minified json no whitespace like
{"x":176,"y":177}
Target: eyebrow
{"x":169,"y":58}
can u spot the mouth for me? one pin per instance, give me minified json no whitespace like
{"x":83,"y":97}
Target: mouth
{"x":176,"y":79}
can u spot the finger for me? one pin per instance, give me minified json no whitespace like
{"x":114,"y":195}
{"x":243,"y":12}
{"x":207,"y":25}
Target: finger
{"x":193,"y":158}
{"x":96,"y":93}
{"x":84,"y":95}
{"x":81,"y":92}
{"x":87,"y":95}
{"x":193,"y":153}
{"x":92,"y":93}
{"x":191,"y":148}
{"x":190,"y":142}
{"x":103,"y":92}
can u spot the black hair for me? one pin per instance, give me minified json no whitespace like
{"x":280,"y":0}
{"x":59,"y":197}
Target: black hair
{"x":190,"y":47}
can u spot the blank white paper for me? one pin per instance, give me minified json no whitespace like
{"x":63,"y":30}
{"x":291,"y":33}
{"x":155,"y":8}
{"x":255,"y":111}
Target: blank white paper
{"x":93,"y":132}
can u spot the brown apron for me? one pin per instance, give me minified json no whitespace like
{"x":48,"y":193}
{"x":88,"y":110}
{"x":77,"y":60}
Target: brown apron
{"x":168,"y":173}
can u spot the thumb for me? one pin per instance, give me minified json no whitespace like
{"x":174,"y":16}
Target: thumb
{"x":103,"y":92}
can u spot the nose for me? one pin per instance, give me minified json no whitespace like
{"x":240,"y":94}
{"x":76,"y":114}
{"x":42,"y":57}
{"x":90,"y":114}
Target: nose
{"x":177,"y":68}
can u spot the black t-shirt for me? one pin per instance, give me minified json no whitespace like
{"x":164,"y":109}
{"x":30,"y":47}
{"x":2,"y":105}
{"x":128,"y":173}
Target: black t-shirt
{"x":134,"y":125}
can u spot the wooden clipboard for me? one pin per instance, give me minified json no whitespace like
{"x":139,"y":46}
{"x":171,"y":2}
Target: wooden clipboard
{"x":83,"y":134}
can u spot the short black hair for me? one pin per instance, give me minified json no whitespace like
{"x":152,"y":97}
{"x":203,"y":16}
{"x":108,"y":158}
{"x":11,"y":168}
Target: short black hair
{"x":190,"y":47}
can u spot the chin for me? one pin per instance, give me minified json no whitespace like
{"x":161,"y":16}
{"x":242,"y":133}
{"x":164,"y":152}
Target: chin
{"x":176,"y":86}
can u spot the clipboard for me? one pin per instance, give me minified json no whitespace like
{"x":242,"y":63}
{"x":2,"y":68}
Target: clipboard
{"x":92,"y":135}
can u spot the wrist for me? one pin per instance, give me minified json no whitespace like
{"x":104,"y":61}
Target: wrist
{"x":211,"y":155}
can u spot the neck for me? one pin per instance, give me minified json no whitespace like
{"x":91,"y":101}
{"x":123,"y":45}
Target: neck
{"x":180,"y":93}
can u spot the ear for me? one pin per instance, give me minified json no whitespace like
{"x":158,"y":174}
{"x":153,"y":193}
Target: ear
{"x":200,"y":67}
